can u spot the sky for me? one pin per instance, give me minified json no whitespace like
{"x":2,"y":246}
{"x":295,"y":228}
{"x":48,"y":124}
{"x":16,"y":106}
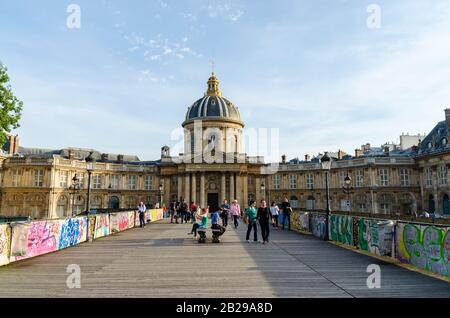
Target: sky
{"x":123,"y":81}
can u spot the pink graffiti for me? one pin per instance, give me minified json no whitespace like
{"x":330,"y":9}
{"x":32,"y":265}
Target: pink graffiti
{"x":41,"y":238}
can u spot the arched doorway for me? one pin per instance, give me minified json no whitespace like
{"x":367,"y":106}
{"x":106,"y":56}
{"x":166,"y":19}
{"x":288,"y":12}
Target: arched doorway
{"x":431,"y":205}
{"x":446,"y":204}
{"x":114,"y":202}
{"x":61,"y":208}
{"x":310,"y":203}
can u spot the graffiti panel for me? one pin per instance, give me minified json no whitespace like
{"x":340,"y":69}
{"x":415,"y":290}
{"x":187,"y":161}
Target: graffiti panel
{"x":119,"y":222}
{"x":317,"y":225}
{"x":73,"y":232}
{"x":101,"y":226}
{"x":5,"y":235}
{"x":35,"y":238}
{"x":341,"y":229}
{"x":424,"y":246}
{"x":375,"y":236}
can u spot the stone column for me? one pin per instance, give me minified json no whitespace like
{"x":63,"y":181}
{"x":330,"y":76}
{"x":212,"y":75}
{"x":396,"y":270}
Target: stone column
{"x":187,"y":188}
{"x":223,"y":188}
{"x":238,"y":187}
{"x":180,"y":187}
{"x":258,"y":196}
{"x":244,"y":199}
{"x":202,"y":191}
{"x":194,"y":188}
{"x":232,"y":194}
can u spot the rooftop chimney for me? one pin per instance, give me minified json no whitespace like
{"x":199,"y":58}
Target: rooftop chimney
{"x":447,"y":116}
{"x":13,"y":144}
{"x":307,"y":158}
{"x":71,"y":154}
{"x":341,"y":154}
{"x":104,"y":157}
{"x":359,"y":153}
{"x":120,"y":158}
{"x":283,"y":159}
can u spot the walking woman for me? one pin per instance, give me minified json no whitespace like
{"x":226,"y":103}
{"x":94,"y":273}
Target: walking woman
{"x":275,"y":211}
{"x":251,"y":214}
{"x":263,"y":217}
{"x":235,"y":211}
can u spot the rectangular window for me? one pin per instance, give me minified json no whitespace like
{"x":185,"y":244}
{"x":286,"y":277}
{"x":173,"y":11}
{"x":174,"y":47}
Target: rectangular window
{"x":404,"y":177}
{"x":16,"y":173}
{"x":293,"y":181}
{"x":115,"y":181}
{"x":63,"y":179}
{"x":132,"y":182}
{"x":80,"y":177}
{"x":384,"y":177}
{"x":38,"y":178}
{"x":359,"y":178}
{"x":148,"y":182}
{"x":428,"y":176}
{"x":443,"y":175}
{"x":276,"y":181}
{"x":309,"y":181}
{"x":384,"y":208}
{"x":96,"y":181}
{"x":342,"y":176}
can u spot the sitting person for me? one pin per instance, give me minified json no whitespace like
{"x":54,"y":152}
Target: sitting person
{"x":202,"y":222}
{"x":215,"y":222}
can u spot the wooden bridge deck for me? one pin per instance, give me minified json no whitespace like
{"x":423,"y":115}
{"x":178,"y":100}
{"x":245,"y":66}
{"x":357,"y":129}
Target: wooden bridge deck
{"x":163,"y":261}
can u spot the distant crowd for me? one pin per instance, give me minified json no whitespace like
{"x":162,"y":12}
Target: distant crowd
{"x":262,"y":216}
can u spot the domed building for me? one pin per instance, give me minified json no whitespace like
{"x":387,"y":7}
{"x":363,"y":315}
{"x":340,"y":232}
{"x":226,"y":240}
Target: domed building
{"x":212,"y":167}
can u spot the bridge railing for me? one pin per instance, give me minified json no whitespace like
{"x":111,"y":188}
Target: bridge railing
{"x":422,"y":243}
{"x":22,"y":240}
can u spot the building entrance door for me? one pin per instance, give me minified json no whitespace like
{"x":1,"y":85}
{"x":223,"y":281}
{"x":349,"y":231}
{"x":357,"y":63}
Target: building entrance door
{"x":213,"y":202}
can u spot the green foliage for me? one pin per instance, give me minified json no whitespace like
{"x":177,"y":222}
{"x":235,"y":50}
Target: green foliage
{"x":10,"y":107}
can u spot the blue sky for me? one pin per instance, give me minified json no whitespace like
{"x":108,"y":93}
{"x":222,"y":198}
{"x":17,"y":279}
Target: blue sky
{"x":123,"y":81}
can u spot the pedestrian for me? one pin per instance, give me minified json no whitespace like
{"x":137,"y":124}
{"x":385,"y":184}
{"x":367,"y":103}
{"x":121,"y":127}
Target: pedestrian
{"x":275,"y":211}
{"x":182,"y":210}
{"x":263,"y":216}
{"x":225,"y":212}
{"x":215,"y":222}
{"x":286,"y":208}
{"x":202,"y":222}
{"x":251,"y":214}
{"x":172,"y":209}
{"x":141,"y":209}
{"x":193,"y":209}
{"x":235,"y":211}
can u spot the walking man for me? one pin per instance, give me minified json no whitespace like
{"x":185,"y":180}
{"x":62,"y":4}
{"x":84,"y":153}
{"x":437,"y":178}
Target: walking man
{"x":141,"y":209}
{"x":286,"y":208}
{"x":225,"y":212}
{"x":235,"y":211}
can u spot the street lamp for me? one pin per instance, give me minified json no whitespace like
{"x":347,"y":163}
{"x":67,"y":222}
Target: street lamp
{"x":161,"y":189}
{"x":75,"y":186}
{"x":347,"y":188}
{"x":90,"y":160}
{"x":325,"y":163}
{"x":263,"y":190}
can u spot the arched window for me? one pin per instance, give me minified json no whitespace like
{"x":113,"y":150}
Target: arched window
{"x":114,"y":202}
{"x":446,"y":204}
{"x":61,"y":208}
{"x":310,"y":203}
{"x":431,"y":205}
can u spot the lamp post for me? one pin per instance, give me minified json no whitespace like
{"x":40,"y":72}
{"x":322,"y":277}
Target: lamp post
{"x":75,"y":186}
{"x":325,"y":163}
{"x":347,"y":188}
{"x":161,"y":189}
{"x":90,"y":160}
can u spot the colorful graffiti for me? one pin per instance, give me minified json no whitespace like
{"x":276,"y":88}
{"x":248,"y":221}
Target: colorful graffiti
{"x":341,"y":229}
{"x":317,"y":225}
{"x":427,"y":247}
{"x":73,"y":232}
{"x":121,"y":221}
{"x":375,"y":236}
{"x":32,"y":239}
{"x":5,"y":235}
{"x":101,"y":226}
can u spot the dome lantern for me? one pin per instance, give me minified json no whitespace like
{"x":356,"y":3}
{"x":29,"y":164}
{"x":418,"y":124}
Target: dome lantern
{"x":213,"y":86}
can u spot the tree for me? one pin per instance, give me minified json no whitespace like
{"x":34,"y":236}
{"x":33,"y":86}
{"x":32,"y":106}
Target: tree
{"x":10,"y":107}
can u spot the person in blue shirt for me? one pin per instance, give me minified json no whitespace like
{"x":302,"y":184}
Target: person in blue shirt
{"x":215,"y":221}
{"x":225,"y":208}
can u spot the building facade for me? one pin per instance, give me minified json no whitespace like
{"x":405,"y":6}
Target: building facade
{"x":406,"y":179}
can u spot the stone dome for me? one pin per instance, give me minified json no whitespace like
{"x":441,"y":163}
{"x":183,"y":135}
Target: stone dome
{"x":213,"y":106}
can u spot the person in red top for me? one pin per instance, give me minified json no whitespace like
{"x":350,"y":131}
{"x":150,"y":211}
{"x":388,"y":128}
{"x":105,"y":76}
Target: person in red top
{"x":193,"y":210}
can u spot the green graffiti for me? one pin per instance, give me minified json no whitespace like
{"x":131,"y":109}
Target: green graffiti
{"x":341,"y":229}
{"x":427,"y":247}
